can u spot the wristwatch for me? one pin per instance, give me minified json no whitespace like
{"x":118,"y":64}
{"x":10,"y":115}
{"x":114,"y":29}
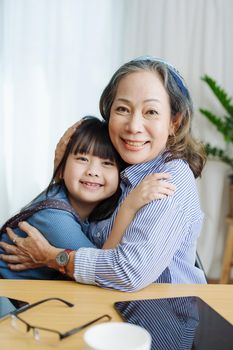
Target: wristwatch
{"x":62,"y":259}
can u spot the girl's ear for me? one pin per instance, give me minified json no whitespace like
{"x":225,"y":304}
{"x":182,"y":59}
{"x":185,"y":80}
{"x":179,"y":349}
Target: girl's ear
{"x":175,"y":123}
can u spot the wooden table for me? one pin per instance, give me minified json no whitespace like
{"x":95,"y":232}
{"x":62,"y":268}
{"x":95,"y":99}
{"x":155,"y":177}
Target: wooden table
{"x":91,"y":302}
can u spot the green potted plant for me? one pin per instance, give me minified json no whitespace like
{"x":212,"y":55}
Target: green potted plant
{"x":224,"y":125}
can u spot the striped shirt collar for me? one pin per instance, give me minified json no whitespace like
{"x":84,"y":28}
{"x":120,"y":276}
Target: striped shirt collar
{"x":135,"y":173}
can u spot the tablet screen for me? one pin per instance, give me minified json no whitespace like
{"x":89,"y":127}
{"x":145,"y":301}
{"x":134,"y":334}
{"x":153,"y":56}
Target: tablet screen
{"x":7,"y":305}
{"x":179,"y":323}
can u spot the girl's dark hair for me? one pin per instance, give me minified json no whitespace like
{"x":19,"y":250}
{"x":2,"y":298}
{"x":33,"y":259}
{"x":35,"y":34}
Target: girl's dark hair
{"x":180,"y":145}
{"x":92,"y":137}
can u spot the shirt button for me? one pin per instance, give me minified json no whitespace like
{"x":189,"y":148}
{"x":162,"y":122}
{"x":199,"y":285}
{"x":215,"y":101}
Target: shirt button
{"x":98,"y":235}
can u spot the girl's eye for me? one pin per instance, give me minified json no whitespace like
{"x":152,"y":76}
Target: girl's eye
{"x":82,"y":159}
{"x":108,"y":163}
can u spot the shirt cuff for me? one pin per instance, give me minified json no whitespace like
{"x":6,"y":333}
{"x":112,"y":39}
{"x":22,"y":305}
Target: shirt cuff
{"x":84,"y":265}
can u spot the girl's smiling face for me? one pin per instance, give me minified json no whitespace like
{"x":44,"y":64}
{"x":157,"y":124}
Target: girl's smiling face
{"x":140,"y":118}
{"x":89,"y":180}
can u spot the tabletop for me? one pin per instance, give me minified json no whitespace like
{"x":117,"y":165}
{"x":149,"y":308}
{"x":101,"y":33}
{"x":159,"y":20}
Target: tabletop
{"x":91,"y":302}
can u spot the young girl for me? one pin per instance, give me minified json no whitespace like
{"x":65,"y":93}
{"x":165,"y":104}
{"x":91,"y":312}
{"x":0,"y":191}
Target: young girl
{"x":89,"y":188}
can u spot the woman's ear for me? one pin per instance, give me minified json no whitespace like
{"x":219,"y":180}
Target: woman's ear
{"x":175,"y":123}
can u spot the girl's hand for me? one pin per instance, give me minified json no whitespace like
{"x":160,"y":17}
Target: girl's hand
{"x":153,"y":186}
{"x":30,"y":252}
{"x":61,"y":146}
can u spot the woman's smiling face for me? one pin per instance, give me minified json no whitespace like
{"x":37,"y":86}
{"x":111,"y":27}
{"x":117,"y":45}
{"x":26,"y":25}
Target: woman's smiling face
{"x":140,"y":118}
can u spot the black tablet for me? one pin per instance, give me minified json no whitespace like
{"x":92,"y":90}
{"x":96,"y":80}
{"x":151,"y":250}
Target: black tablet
{"x":7,"y":305}
{"x":179,"y":323}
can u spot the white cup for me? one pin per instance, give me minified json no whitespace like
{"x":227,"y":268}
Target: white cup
{"x":117,"y":336}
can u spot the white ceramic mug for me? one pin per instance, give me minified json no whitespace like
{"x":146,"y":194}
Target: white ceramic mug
{"x":117,"y":336}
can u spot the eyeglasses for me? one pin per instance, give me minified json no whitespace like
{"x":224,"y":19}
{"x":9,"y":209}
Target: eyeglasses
{"x":46,"y":334}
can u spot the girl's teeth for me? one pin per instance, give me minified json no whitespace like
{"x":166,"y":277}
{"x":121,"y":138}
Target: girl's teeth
{"x":91,"y":184}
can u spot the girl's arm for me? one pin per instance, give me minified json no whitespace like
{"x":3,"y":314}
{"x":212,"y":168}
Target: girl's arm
{"x":151,"y":188}
{"x":35,"y":250}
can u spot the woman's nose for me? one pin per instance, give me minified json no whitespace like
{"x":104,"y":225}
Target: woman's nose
{"x":135,"y":123}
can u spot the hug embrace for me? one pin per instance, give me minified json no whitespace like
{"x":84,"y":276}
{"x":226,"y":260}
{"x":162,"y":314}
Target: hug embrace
{"x":130,"y":180}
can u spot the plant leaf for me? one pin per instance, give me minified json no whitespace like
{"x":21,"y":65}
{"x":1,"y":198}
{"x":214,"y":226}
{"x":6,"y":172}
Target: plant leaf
{"x":223,"y":126}
{"x":218,"y":153}
{"x":220,"y":93}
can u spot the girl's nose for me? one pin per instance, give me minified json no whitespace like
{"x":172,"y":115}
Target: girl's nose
{"x":94,"y":168}
{"x":92,"y":172}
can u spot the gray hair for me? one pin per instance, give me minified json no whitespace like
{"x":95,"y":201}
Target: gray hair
{"x":180,"y":100}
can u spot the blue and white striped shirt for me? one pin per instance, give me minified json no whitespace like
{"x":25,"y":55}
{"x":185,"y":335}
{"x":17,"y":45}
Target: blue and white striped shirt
{"x":160,"y":243}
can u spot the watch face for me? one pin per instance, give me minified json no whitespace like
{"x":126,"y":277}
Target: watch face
{"x":62,"y":258}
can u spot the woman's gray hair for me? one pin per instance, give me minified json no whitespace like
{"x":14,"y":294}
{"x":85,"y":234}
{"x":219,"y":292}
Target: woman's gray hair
{"x":180,"y":100}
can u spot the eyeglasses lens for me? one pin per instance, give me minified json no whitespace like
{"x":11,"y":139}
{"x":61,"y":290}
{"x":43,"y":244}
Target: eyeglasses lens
{"x":18,"y":325}
{"x":39,"y":335}
{"x":44,"y":336}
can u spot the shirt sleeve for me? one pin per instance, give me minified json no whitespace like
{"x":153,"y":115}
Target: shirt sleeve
{"x":148,"y":246}
{"x":145,"y":252}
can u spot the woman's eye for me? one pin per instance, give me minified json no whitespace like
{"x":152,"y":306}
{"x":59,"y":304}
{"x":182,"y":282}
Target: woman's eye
{"x":152,"y":113}
{"x":122,"y":109}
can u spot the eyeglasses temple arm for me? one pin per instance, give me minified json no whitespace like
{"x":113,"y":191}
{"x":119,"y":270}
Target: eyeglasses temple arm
{"x":27,"y":307}
{"x":78,"y":329}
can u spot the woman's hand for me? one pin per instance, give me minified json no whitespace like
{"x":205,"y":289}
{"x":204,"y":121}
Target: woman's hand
{"x":16,"y":259}
{"x":30,"y":252}
{"x":153,"y":186}
{"x":61,"y":146}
